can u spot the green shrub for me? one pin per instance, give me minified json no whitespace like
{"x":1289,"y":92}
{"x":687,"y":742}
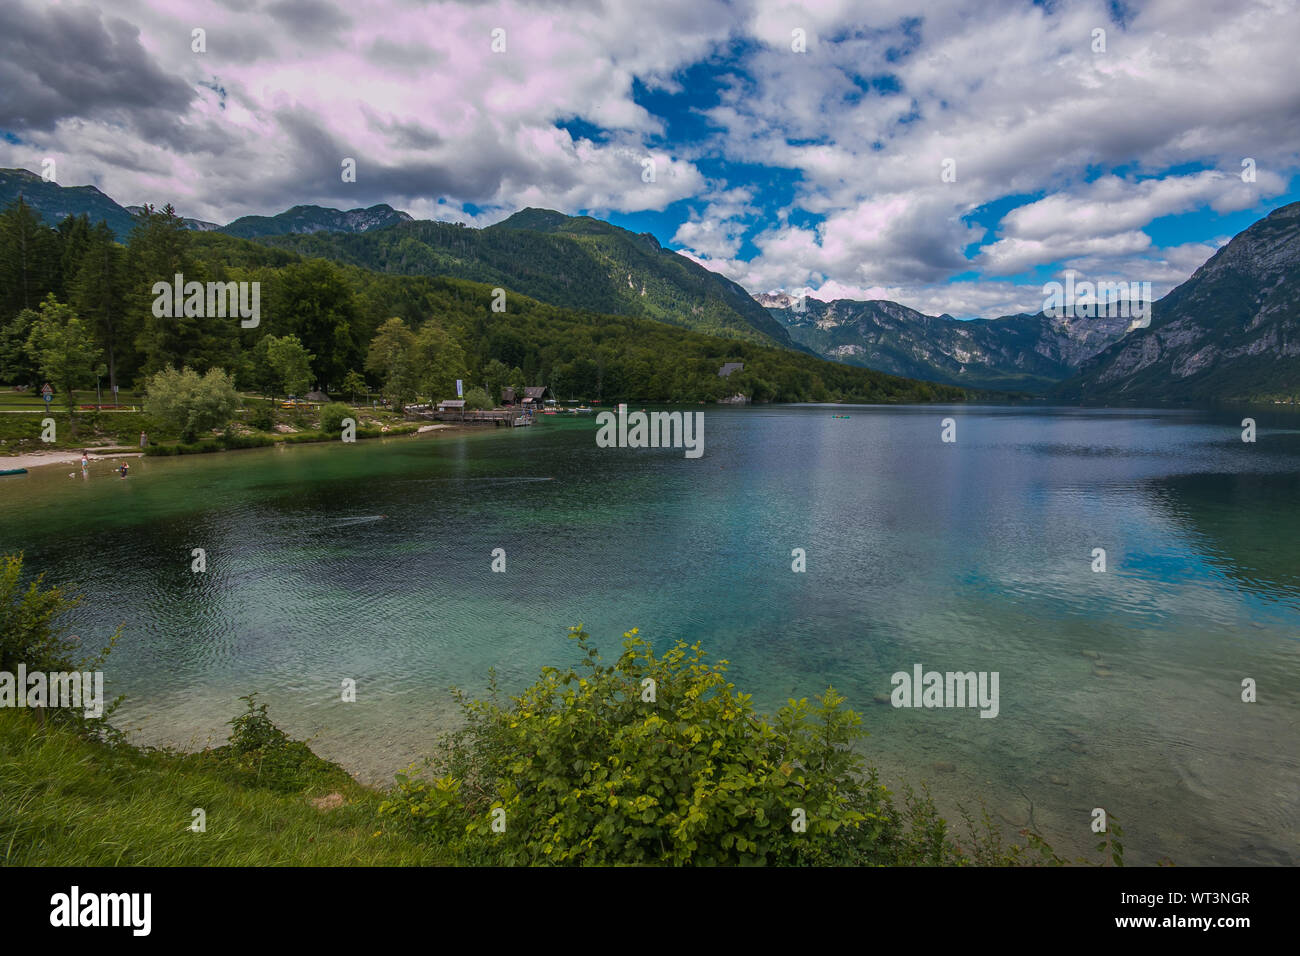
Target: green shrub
{"x":659,"y":760}
{"x":477,"y":399}
{"x":192,"y":403}
{"x":588,"y":769}
{"x":332,"y":415}
{"x":261,"y":416}
{"x":263,"y":755}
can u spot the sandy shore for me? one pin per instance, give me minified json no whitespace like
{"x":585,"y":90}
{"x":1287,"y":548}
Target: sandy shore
{"x":36,"y":459}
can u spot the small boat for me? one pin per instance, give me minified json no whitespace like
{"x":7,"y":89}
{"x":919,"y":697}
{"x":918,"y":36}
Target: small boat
{"x":13,"y":471}
{"x":583,"y":409}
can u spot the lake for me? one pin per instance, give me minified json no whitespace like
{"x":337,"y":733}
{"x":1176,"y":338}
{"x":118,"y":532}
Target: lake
{"x":1119,"y":689}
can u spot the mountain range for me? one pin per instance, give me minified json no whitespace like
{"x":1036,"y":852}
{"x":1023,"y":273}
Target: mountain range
{"x":570,"y":261}
{"x":54,"y":202}
{"x":1231,"y":331}
{"x":1031,"y":353}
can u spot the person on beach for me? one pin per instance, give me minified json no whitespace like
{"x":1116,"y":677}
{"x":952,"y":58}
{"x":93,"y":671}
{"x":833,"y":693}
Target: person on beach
{"x":85,"y":463}
{"x":144,"y":440}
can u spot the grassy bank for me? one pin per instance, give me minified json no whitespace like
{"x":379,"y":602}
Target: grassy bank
{"x":261,"y":422}
{"x":70,"y":801}
{"x":265,"y":439}
{"x":20,"y":432}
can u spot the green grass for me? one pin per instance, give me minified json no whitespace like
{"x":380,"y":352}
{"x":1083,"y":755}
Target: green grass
{"x":31,"y":400}
{"x":21,"y":432}
{"x":69,"y":801}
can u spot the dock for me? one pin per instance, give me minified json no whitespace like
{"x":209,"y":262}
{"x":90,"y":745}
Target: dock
{"x":461,"y":416}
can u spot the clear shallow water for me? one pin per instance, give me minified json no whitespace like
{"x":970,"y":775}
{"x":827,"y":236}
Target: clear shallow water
{"x":372,"y":562}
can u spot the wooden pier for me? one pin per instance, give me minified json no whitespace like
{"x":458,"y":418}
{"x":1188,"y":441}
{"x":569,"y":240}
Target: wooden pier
{"x":461,"y":416}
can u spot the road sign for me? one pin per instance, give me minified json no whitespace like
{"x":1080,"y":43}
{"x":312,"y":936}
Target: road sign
{"x":48,"y":397}
{"x":114,"y":391}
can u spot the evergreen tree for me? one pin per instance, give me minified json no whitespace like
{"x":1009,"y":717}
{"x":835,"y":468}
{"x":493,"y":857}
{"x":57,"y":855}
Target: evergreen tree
{"x":99,"y":293}
{"x":74,"y":239}
{"x":29,"y":259}
{"x":16,"y":365}
{"x":157,"y":251}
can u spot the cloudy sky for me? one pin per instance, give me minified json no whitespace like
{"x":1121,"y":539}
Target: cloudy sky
{"x":951,"y":156}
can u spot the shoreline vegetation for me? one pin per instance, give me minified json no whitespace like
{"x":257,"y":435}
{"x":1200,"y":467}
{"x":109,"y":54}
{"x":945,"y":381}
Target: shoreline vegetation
{"x":82,"y":325}
{"x":260,"y":422}
{"x":654,"y":759}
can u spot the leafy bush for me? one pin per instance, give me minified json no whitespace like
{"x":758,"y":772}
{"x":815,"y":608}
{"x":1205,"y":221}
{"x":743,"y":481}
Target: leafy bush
{"x":261,"y":416}
{"x":332,"y":415}
{"x":192,"y":403}
{"x":477,"y":399}
{"x":263,"y":755}
{"x":657,"y":760}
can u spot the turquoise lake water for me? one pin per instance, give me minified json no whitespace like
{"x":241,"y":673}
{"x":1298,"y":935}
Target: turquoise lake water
{"x":373,"y":562}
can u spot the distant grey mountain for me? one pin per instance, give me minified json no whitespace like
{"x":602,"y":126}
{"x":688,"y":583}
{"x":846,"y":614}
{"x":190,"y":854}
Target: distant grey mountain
{"x":302,"y":220}
{"x":1016,"y":352}
{"x":54,"y":202}
{"x":198,"y":225}
{"x":1231,"y":331}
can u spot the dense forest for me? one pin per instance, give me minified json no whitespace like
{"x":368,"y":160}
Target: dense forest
{"x":567,"y":261}
{"x":74,"y":302}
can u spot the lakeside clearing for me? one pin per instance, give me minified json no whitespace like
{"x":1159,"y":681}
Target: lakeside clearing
{"x":115,"y":432}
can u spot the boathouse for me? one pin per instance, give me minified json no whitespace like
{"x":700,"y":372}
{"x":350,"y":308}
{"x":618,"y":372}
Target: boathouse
{"x":450,"y":407}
